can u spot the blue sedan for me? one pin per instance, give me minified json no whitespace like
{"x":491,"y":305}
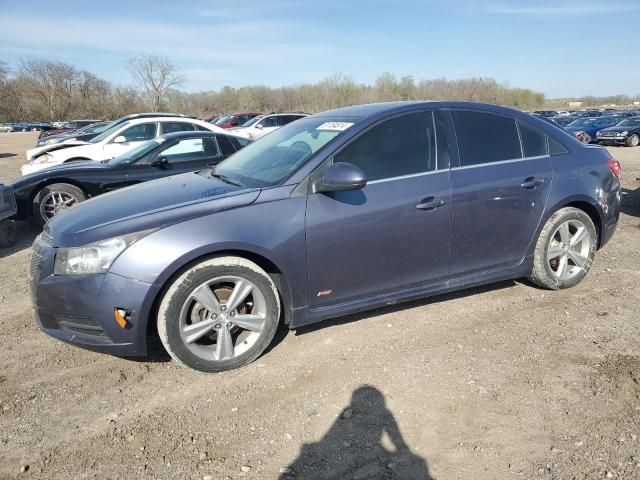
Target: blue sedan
{"x":586,"y":129}
{"x":336,"y":213}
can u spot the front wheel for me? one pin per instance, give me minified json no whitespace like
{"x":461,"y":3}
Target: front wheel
{"x":55,"y":198}
{"x":565,"y":249}
{"x":219,"y":315}
{"x":633,"y":140}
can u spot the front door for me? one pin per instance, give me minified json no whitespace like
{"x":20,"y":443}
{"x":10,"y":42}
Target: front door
{"x":133,"y":136}
{"x":394,"y":233}
{"x":500,"y":190}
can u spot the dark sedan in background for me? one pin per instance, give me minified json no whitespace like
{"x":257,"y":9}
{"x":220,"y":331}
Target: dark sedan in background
{"x":82,"y":134}
{"x":627,"y":132}
{"x":42,"y":195}
{"x":68,"y":127}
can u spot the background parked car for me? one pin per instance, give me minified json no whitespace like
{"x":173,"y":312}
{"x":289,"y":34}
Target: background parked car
{"x":7,"y":210}
{"x":42,"y":126}
{"x":113,"y":142}
{"x":563,"y":120}
{"x":81,"y":134}
{"x":235,"y":119}
{"x":44,"y":194}
{"x":19,"y":127}
{"x":546,"y":113}
{"x":68,"y":127}
{"x":586,"y":129}
{"x":627,"y":132}
{"x":4,"y":128}
{"x":259,"y":126}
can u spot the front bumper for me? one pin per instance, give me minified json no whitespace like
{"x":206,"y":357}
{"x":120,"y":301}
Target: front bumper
{"x":80,"y":309}
{"x":612,"y":140}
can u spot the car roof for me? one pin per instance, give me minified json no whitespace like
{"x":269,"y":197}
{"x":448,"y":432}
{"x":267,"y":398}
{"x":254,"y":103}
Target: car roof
{"x":193,"y":133}
{"x":389,"y":108}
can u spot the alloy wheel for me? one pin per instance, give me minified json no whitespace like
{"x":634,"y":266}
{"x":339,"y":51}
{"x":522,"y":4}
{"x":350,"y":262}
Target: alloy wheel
{"x":568,"y":250}
{"x":55,"y":202}
{"x":223,"y":318}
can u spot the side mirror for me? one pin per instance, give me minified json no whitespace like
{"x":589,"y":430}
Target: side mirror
{"x":120,"y":139}
{"x":340,"y":177}
{"x":259,"y":125}
{"x":161,"y":162}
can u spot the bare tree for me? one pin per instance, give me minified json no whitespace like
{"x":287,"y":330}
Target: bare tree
{"x":155,"y":76}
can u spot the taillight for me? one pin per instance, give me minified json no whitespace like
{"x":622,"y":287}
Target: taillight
{"x":614,"y":166}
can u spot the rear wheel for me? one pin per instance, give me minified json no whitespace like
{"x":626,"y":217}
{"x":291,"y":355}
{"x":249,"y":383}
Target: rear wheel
{"x":585,"y":138}
{"x":55,"y":198}
{"x":565,"y":249}
{"x":219,"y":315}
{"x":633,"y":140}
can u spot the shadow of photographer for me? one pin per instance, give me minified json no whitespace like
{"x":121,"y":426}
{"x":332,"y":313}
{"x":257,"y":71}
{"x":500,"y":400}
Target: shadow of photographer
{"x":363,"y":443}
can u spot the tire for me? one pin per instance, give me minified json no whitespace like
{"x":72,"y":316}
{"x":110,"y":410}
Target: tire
{"x":585,"y":138}
{"x":574,"y":255}
{"x":215,"y":282}
{"x":46,"y":204}
{"x":633,"y":140}
{"x":7,"y":233}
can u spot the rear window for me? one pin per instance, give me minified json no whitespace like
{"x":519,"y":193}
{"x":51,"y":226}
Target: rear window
{"x":534,"y":141}
{"x":485,"y":137}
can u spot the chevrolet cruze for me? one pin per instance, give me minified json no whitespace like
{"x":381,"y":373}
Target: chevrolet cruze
{"x":335,"y":213}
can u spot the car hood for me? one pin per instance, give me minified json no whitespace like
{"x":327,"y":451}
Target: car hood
{"x":145,"y":206}
{"x":620,"y":129}
{"x":36,"y":152}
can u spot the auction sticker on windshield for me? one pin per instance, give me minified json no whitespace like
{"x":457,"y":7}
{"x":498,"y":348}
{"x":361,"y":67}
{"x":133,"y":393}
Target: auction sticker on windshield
{"x":334,"y":126}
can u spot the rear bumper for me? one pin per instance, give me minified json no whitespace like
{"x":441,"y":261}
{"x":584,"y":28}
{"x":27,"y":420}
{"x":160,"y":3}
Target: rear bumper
{"x":611,"y":209}
{"x":80,"y":310}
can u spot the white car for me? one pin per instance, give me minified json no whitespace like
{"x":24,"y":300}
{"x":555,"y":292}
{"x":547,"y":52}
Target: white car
{"x":259,"y":126}
{"x":115,"y":141}
{"x":4,"y":128}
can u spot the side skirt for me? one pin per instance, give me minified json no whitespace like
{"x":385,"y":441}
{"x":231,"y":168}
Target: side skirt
{"x":306,"y":316}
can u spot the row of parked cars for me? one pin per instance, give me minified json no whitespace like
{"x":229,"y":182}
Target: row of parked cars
{"x":332,"y":214}
{"x":605,"y":127}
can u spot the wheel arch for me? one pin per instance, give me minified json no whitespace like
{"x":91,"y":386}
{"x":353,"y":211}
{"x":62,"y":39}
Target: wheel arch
{"x":588,"y":206}
{"x":270,"y":267}
{"x":51,"y":181}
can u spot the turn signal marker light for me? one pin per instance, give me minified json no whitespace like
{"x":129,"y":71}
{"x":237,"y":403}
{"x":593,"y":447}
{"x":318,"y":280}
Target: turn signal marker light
{"x":121,"y":317}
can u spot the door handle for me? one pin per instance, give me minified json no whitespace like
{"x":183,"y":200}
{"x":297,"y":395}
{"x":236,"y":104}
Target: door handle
{"x":531,"y":182}
{"x":430,"y":203}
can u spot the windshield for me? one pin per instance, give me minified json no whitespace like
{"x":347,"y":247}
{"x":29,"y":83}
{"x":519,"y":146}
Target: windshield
{"x":248,"y":123}
{"x":606,"y":121}
{"x":222,"y":120}
{"x":630,"y":122}
{"x":582,"y":122}
{"x":95,"y":128}
{"x":109,"y":129}
{"x":137,"y":152}
{"x":73,"y":125}
{"x":276,"y":156}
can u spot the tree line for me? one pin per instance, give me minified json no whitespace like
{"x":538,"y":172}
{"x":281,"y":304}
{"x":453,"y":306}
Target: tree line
{"x":38,"y":89}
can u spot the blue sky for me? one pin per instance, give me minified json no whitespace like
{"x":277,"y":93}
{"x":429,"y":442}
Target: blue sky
{"x":559,"y":47}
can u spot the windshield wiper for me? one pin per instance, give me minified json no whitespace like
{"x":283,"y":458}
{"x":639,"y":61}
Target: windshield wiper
{"x":224,"y":178}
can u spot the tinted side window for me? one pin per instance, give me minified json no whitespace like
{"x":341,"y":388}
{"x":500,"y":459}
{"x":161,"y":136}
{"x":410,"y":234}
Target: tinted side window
{"x":555,"y":147}
{"x":191,"y":149}
{"x":534,"y":141}
{"x":225,"y":145}
{"x":170,"y":127}
{"x":485,"y":137}
{"x":144,"y":131}
{"x":401,"y":146}
{"x":269,"y":122}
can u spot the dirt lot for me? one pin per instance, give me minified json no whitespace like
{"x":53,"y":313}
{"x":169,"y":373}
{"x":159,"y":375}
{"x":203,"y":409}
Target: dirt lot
{"x":502,"y":382}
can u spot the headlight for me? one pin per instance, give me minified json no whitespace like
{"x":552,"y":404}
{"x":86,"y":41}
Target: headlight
{"x":624,"y":134}
{"x":93,"y":258}
{"x":51,"y":141}
{"x":46,"y":158}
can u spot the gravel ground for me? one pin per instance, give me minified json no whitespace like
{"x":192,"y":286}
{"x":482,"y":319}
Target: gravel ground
{"x":500,"y":382}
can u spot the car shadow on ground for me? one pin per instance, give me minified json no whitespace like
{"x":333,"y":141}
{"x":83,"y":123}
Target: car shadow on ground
{"x":631,"y":202}
{"x":25,"y":234}
{"x":7,"y":155}
{"x":364,"y":442}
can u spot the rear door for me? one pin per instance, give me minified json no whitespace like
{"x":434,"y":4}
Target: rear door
{"x":500,"y":189}
{"x":394,"y":233}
